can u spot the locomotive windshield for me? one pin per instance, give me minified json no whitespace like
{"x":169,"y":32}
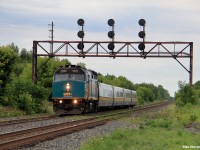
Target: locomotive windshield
{"x":69,"y":74}
{"x":62,"y":77}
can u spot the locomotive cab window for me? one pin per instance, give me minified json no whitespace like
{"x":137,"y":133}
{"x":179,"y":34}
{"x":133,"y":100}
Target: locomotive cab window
{"x":69,"y":76}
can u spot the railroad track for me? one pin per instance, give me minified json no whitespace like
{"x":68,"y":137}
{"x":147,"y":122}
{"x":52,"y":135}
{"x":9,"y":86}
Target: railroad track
{"x":19,"y":121}
{"x":35,"y":135}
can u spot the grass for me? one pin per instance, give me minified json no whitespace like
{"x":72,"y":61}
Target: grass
{"x":10,"y":112}
{"x":162,"y":130}
{"x":147,"y":138}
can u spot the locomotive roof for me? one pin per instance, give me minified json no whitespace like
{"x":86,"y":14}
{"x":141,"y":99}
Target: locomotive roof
{"x":75,"y":67}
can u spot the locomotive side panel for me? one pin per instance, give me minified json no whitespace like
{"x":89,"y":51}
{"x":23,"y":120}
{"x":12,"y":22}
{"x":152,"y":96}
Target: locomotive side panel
{"x":92,"y":85}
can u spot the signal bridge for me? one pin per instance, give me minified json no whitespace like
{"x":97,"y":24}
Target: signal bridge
{"x":112,"y":49}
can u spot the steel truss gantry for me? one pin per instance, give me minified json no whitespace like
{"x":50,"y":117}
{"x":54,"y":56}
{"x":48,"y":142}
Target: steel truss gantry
{"x":175,"y":50}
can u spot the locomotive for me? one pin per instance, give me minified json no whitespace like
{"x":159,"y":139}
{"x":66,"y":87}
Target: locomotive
{"x":76,"y":90}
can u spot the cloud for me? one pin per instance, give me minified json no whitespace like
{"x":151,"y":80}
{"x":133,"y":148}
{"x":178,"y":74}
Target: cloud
{"x":24,"y":21}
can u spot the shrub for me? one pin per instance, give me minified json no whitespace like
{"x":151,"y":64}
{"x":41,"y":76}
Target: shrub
{"x":186,"y":94}
{"x":193,"y":118}
{"x":26,"y":103}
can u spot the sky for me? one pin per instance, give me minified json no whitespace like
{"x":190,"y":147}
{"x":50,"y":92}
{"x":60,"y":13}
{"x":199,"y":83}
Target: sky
{"x":22,"y":22}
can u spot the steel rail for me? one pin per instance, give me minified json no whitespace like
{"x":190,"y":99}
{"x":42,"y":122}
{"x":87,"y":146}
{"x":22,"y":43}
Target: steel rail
{"x":25,"y":120}
{"x":35,"y":135}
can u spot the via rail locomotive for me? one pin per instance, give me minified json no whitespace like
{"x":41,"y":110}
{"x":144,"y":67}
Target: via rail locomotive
{"x":76,"y":90}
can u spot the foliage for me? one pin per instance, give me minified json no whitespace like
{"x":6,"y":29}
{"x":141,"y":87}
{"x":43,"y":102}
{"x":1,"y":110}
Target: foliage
{"x":145,"y":92}
{"x":147,"y":138}
{"x":17,"y":90}
{"x":47,"y":67}
{"x":145,"y":95}
{"x":147,"y":131}
{"x":25,"y":56}
{"x":16,"y":87}
{"x":14,"y":47}
{"x":81,"y":64}
{"x":186,"y":94}
{"x":10,"y":112}
{"x":7,"y":60}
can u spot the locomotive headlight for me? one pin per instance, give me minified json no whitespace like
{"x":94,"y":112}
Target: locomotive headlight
{"x":60,"y":101}
{"x":75,"y":101}
{"x":67,"y":87}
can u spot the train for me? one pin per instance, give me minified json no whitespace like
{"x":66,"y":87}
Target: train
{"x":76,"y":90}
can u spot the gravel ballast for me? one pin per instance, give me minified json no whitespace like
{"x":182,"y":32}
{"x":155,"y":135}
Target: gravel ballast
{"x":70,"y":141}
{"x":74,"y":140}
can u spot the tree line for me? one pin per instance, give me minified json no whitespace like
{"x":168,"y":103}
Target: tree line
{"x":17,"y":89}
{"x":187,"y":94}
{"x":146,"y":92}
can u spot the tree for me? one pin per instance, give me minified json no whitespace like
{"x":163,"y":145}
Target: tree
{"x":81,"y":64}
{"x":25,"y":56}
{"x":186,"y":94}
{"x":7,"y":60}
{"x":197,"y":85}
{"x":14,"y":47}
{"x":46,"y":70}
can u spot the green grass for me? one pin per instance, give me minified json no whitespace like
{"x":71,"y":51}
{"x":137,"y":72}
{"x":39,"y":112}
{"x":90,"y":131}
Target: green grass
{"x":153,"y":131}
{"x":10,"y":112}
{"x":147,"y":138}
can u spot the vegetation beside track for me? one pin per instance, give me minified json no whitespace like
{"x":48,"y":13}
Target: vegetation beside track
{"x":176,"y":127}
{"x":18,"y":91}
{"x":171,"y":128}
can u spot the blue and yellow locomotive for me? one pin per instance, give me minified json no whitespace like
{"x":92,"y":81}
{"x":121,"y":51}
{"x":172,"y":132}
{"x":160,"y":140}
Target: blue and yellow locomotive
{"x":76,"y":90}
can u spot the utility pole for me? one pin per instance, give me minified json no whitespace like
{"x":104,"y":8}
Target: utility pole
{"x":51,"y":37}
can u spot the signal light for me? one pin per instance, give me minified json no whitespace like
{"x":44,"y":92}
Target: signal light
{"x":111,"y":35}
{"x":142,"y":22}
{"x":111,"y":22}
{"x":142,"y":35}
{"x":111,"y":46}
{"x":80,"y":22}
{"x":80,"y":46}
{"x":81,"y":35}
{"x":141,"y":46}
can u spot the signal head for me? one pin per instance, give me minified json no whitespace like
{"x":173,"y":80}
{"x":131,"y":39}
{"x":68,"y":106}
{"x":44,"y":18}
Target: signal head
{"x":80,"y":46}
{"x":111,"y":34}
{"x":80,"y":22}
{"x":141,"y":46}
{"x":111,"y":22}
{"x":141,"y":34}
{"x":80,"y":34}
{"x":111,"y":46}
{"x":142,"y":22}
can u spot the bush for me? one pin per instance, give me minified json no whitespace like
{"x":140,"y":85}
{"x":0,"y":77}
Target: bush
{"x":26,"y":103}
{"x":25,"y":95}
{"x":193,"y":118}
{"x":185,"y":95}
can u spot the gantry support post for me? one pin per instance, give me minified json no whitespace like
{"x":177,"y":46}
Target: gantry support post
{"x":34,"y":63}
{"x":191,"y":64}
